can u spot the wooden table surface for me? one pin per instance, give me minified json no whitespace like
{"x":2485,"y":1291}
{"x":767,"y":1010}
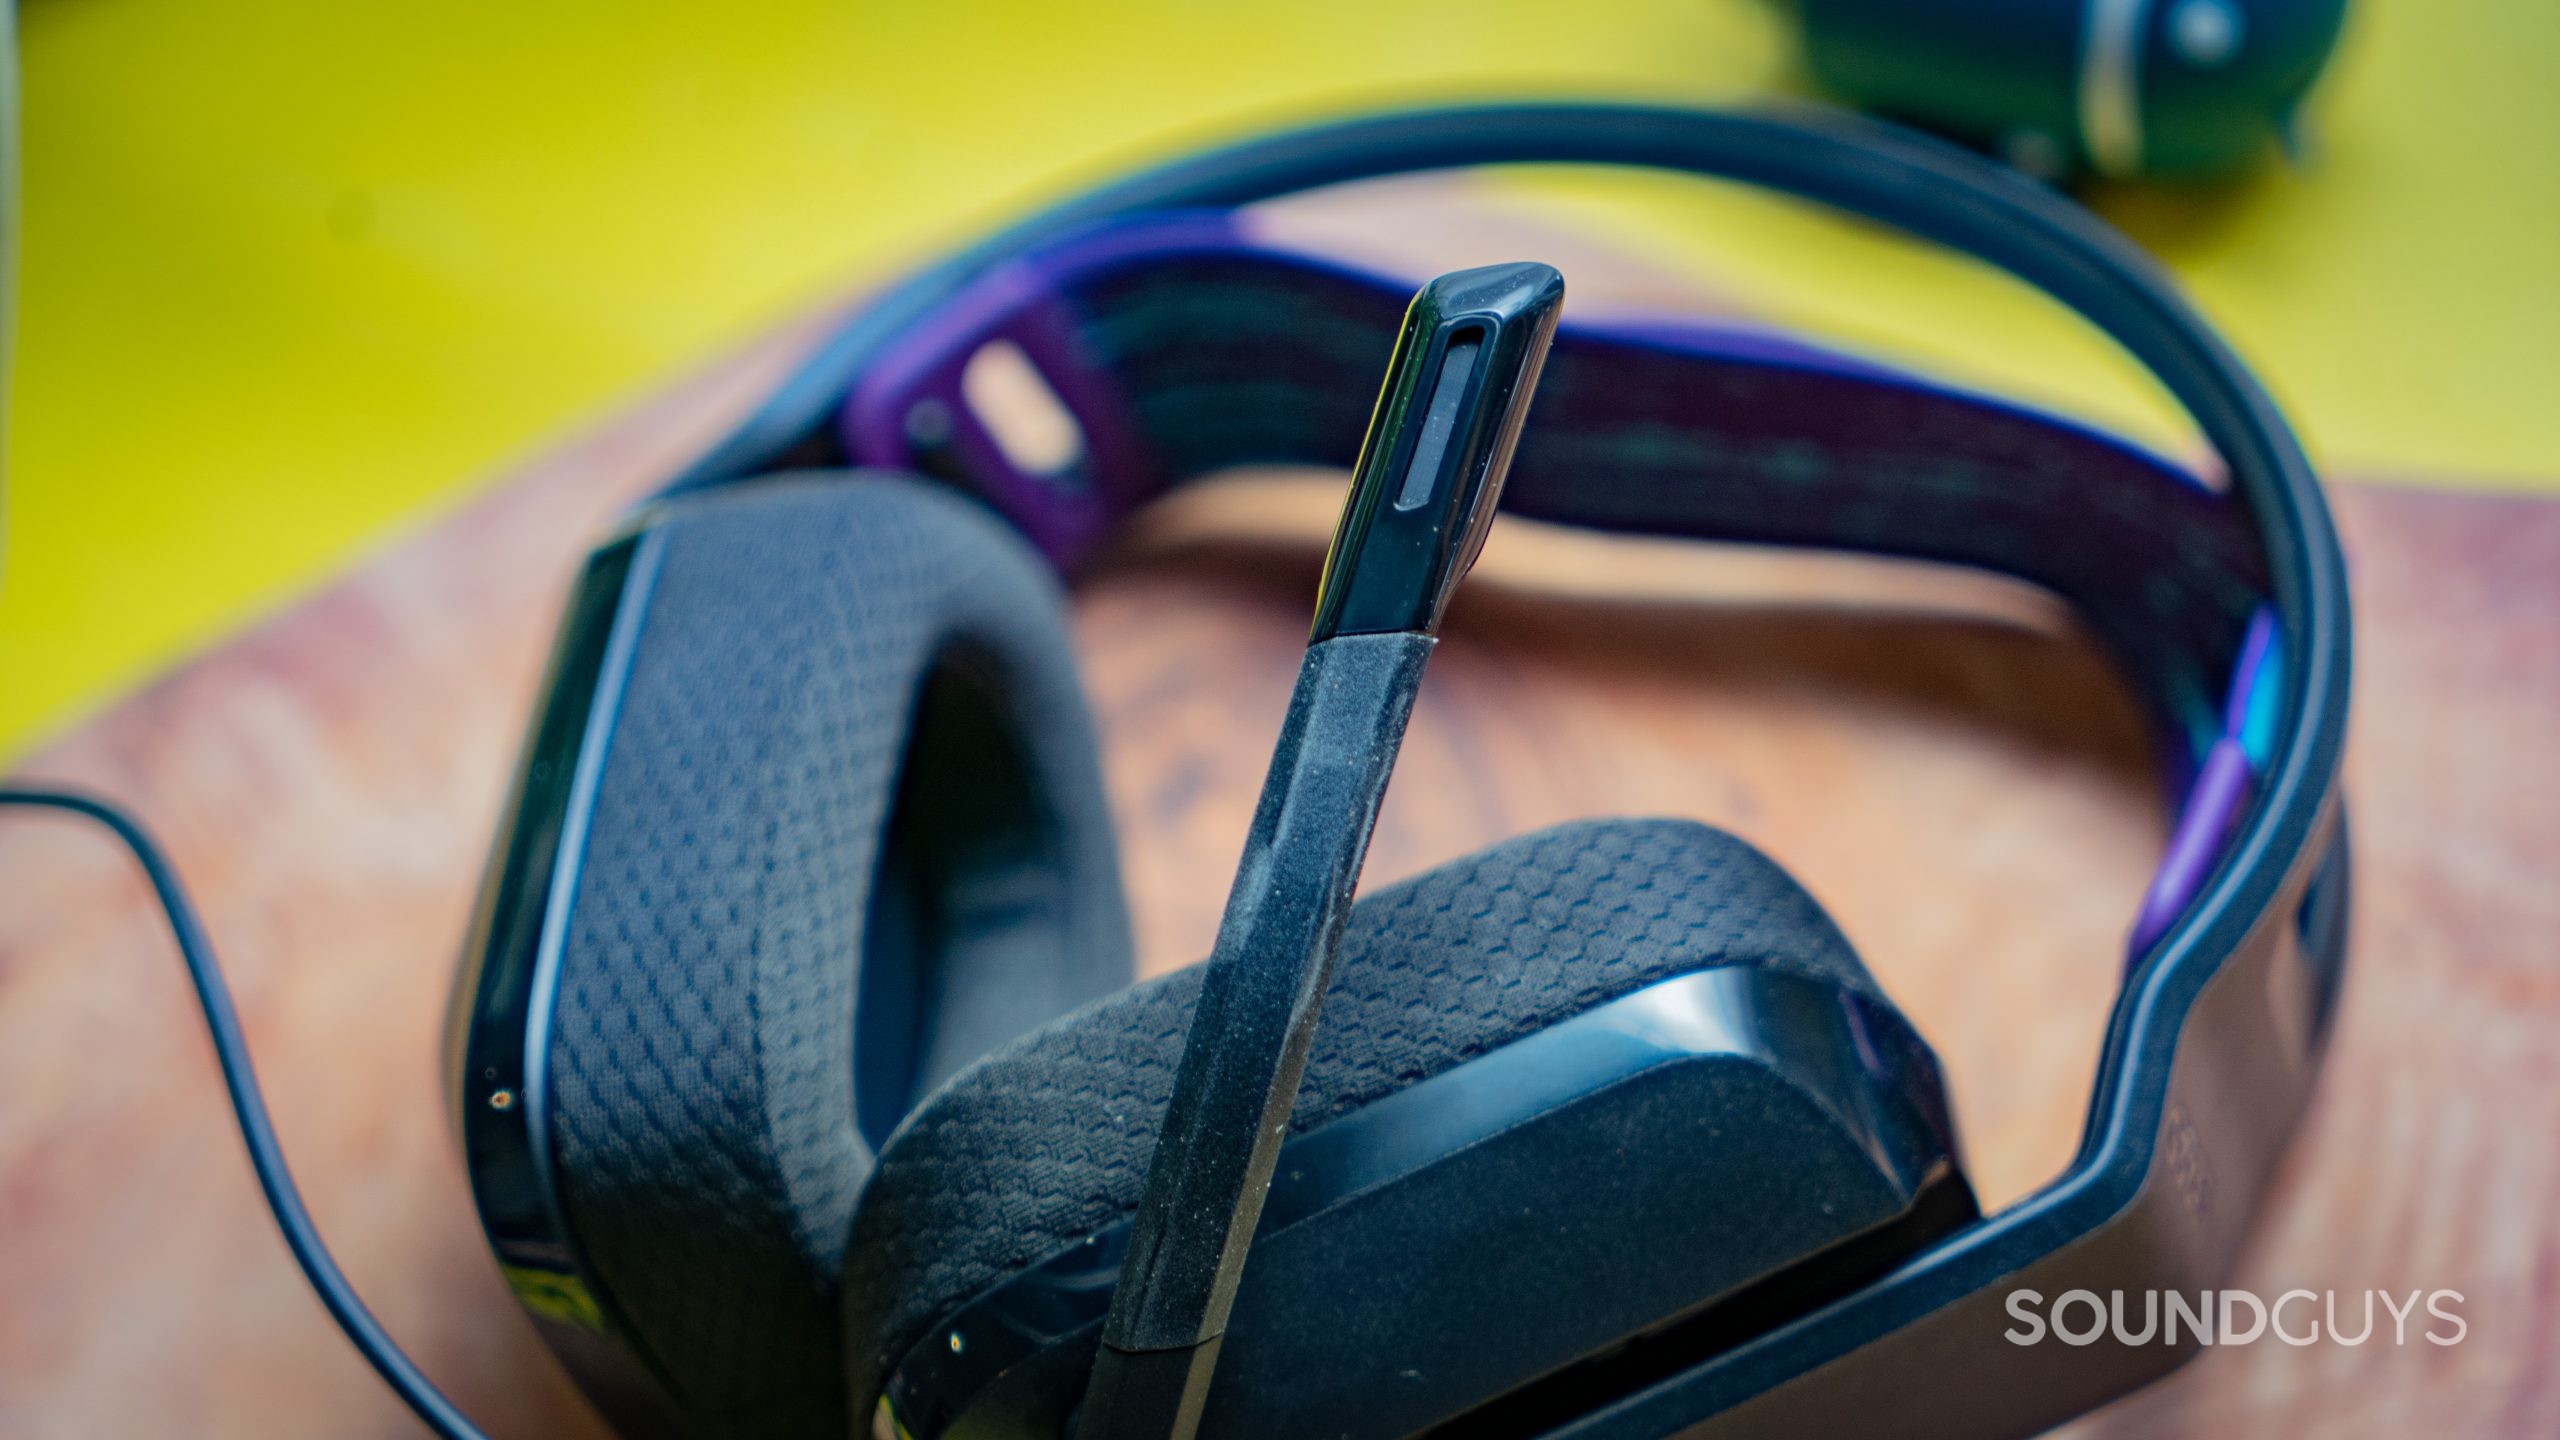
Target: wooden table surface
{"x":1959,"y":779}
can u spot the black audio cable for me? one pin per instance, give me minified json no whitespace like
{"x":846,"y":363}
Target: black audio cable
{"x":257,"y":1131}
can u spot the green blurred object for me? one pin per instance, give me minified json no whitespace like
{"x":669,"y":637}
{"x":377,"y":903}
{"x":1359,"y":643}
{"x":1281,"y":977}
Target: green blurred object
{"x":2124,"y":88}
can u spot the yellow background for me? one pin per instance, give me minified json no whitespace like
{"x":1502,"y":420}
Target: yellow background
{"x":296,"y":273}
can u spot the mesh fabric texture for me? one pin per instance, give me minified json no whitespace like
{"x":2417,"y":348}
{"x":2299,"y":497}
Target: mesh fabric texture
{"x":702,"y":1062}
{"x":1046,"y":1141}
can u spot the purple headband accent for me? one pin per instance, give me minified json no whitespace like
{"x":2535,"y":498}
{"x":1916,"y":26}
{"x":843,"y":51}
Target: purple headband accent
{"x":2249,"y":672}
{"x":907,"y":412}
{"x":1742,"y":340}
{"x":919,"y":378}
{"x":2222,"y":786}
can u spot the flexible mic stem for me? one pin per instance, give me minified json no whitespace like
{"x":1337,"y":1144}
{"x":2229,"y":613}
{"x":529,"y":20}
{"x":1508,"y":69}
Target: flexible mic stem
{"x":1422,"y":496}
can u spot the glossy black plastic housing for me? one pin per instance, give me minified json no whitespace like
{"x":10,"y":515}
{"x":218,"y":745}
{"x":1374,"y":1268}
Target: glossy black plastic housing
{"x":498,"y":1032}
{"x":1439,"y":445}
{"x":1529,"y":1232}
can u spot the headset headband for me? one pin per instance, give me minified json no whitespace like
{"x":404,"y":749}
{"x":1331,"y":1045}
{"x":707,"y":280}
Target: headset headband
{"x":2212,"y":1043}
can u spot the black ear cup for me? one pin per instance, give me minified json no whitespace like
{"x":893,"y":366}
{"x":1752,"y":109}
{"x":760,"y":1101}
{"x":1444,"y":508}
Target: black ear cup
{"x":848,"y":835}
{"x":1046,"y":1141}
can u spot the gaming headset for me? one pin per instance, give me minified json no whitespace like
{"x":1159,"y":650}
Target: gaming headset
{"x":799,"y":1069}
{"x":801,"y":1081}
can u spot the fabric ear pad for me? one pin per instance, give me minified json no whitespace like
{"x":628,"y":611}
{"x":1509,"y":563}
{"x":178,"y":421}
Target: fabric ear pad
{"x":1046,"y":1141}
{"x":848,"y":835}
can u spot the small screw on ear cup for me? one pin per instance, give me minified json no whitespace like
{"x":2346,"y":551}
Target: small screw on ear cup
{"x":848,"y":833}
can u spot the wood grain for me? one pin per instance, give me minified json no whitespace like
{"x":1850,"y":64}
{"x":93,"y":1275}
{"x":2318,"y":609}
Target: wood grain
{"x":1962,"y":782}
